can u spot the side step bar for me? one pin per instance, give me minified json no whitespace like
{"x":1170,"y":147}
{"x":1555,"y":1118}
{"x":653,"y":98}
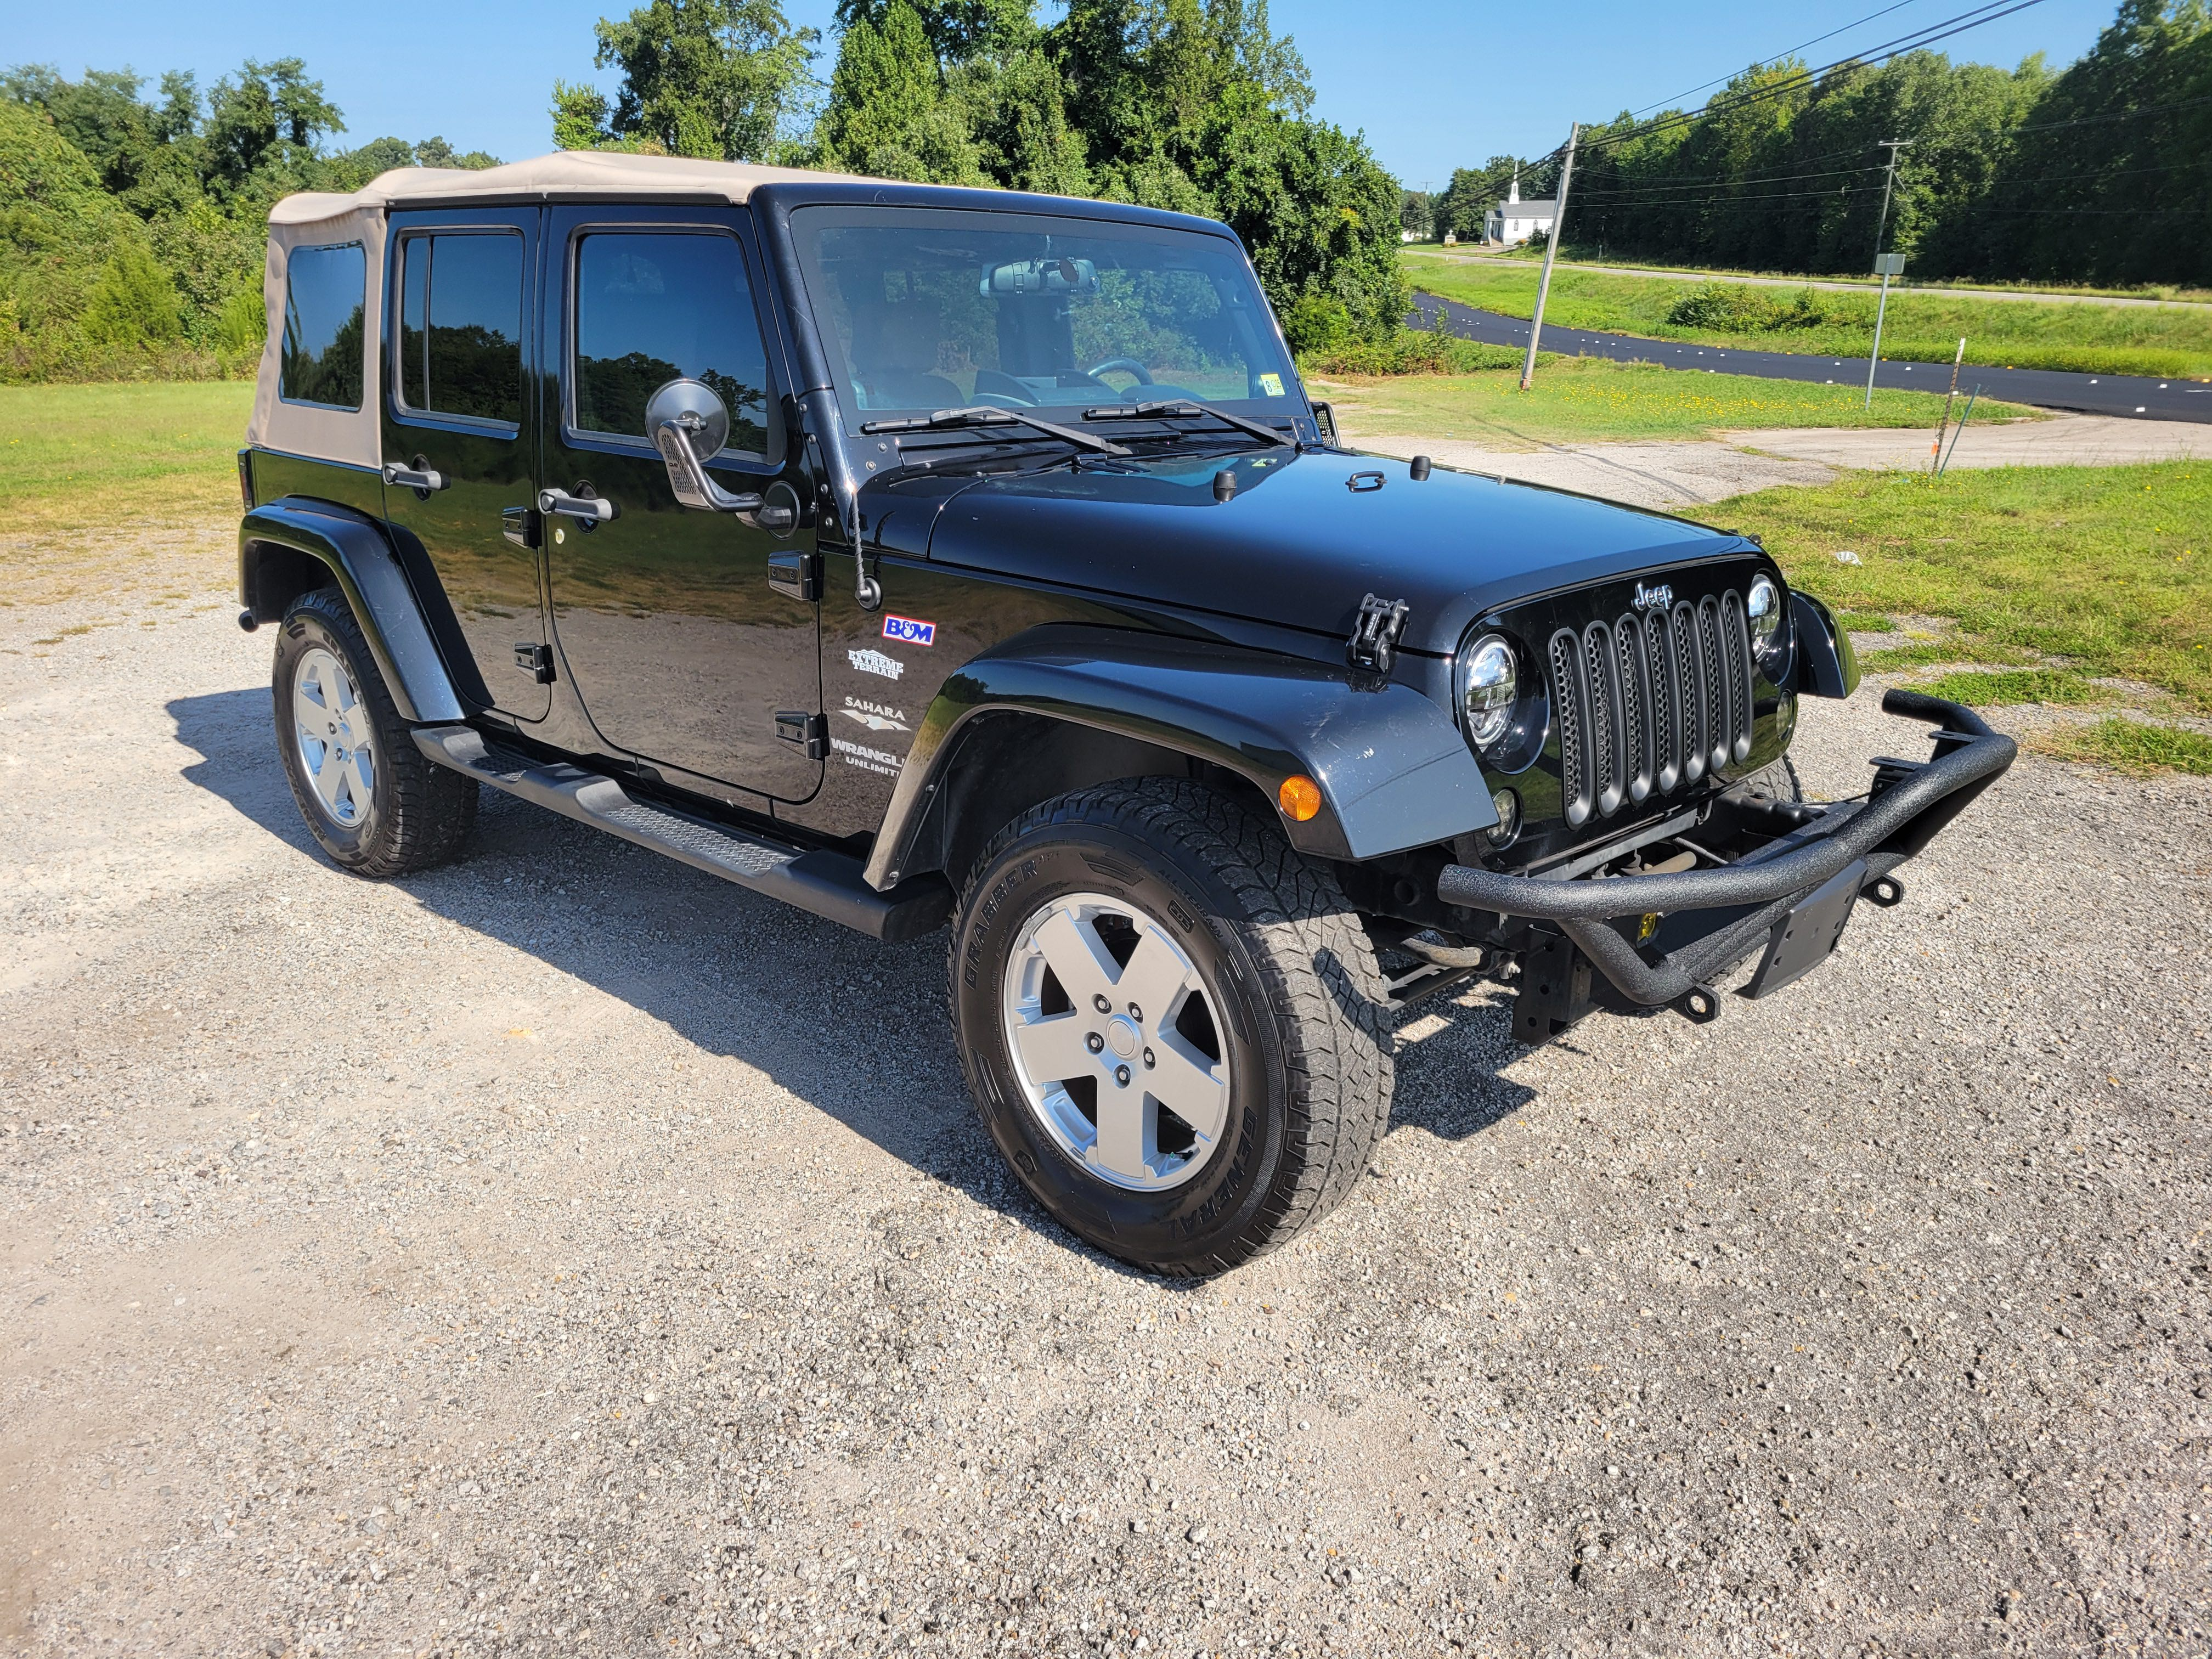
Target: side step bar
{"x":825,"y":884}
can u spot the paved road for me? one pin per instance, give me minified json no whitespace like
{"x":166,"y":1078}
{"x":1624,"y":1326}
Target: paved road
{"x":564,"y":1253}
{"x":1678,"y":474}
{"x":1837,"y":286}
{"x":2126,"y":395}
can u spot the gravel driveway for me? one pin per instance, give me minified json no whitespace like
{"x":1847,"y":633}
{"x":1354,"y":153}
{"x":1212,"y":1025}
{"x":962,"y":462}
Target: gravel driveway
{"x":562,"y":1253}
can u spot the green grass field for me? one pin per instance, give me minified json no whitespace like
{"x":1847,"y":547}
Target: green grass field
{"x":2055,"y":575}
{"x":1574,"y":253}
{"x":1589,"y":400}
{"x":2130,"y":746}
{"x":1924,"y":326}
{"x":78,"y":456}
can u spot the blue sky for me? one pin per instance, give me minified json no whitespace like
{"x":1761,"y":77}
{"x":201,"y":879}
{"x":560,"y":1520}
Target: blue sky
{"x":1434,"y":85}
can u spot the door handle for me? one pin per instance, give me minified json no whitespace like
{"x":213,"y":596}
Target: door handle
{"x":423,"y":478}
{"x":590,"y":509}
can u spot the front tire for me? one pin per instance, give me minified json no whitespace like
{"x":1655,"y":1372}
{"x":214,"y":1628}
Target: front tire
{"x":371,"y":799}
{"x":1173,"y":1024}
{"x":1777,"y":780}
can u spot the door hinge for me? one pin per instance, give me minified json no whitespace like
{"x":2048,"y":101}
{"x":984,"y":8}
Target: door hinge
{"x":520,"y":525}
{"x":1373,"y":646}
{"x":803,"y":731}
{"x":535,"y":660}
{"x":797,"y":576}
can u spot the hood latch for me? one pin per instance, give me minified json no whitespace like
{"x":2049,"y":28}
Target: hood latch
{"x":1373,"y":646}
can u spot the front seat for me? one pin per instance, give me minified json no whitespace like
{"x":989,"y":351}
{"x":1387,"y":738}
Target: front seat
{"x":894,"y":347}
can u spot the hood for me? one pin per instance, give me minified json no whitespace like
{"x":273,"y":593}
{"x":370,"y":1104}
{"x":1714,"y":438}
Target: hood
{"x":1306,"y":537}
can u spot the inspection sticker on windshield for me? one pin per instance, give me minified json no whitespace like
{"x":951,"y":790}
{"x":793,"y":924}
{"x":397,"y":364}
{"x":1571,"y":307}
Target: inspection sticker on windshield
{"x":906,"y":629}
{"x":1272,"y":384}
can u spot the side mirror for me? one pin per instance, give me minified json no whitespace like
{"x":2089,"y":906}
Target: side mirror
{"x":688,"y":423}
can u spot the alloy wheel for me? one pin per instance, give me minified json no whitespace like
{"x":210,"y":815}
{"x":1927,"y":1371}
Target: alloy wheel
{"x":337,"y":749}
{"x":1115,"y":1042}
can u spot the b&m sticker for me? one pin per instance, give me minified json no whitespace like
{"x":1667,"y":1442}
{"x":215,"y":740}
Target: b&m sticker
{"x":906,"y":629}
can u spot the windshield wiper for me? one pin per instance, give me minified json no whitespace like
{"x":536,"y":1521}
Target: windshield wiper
{"x":1185,"y":408}
{"x":984,"y":415}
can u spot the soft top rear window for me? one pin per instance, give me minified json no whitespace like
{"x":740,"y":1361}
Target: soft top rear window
{"x":324,"y":292}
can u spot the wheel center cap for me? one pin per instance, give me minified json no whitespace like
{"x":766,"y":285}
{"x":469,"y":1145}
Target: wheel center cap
{"x":1122,"y":1036}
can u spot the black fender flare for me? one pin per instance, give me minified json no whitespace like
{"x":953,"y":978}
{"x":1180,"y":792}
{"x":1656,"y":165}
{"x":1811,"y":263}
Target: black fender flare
{"x":1827,"y":665}
{"x":1394,"y":771}
{"x":353,"y":546}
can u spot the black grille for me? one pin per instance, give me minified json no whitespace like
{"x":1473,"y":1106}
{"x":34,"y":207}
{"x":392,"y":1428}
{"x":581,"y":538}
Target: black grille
{"x":1647,"y":706}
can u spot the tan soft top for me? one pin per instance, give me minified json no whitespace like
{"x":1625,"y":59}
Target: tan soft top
{"x":565,"y":174}
{"x":325,"y":218}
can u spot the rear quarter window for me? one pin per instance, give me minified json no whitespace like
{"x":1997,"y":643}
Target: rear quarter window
{"x":320,"y":359}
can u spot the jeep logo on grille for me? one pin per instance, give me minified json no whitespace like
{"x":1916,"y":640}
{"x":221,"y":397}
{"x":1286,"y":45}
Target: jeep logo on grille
{"x":1657,"y":597}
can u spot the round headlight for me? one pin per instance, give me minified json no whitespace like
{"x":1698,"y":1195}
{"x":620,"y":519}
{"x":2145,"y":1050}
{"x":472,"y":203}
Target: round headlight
{"x":1490,"y":681}
{"x":1764,"y":609}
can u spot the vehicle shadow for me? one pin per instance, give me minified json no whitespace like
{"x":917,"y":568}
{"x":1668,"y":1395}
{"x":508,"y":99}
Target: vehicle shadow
{"x":856,"y":1028}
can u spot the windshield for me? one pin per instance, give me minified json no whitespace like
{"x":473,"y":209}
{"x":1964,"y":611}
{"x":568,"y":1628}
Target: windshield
{"x":925,"y":310}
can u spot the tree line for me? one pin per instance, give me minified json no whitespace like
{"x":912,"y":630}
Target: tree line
{"x":132,"y":219}
{"x":2100,"y":173}
{"x":1195,"y":106}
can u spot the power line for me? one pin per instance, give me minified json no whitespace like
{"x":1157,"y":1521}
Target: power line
{"x":2082,"y":121}
{"x":1776,"y":57}
{"x":1831,"y":194}
{"x":1595,"y":200}
{"x":1987,"y":13}
{"x":1627,"y":191}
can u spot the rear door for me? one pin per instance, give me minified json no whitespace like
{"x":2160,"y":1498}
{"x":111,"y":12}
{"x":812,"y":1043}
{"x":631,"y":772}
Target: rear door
{"x":459,"y":429}
{"x":679,"y":649}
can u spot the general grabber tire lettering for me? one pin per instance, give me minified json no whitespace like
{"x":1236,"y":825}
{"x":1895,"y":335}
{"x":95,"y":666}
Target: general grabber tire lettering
{"x":1192,"y":1134}
{"x":370,"y":797}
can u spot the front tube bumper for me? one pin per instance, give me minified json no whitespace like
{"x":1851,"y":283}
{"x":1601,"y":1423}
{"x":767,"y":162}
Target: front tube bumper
{"x":1881,"y":832}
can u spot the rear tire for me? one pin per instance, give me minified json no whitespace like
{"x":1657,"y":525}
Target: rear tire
{"x":373,"y":801}
{"x":1242,"y":1105}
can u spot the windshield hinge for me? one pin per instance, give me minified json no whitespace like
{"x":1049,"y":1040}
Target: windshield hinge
{"x":1373,"y":646}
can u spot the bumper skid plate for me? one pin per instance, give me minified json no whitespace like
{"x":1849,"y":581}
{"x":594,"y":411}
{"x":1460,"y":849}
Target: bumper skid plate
{"x":1809,"y":935}
{"x":1796,"y":891}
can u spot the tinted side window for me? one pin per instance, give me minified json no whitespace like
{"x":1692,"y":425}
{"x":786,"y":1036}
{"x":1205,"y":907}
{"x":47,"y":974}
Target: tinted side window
{"x":460,"y":325}
{"x":319,"y":361}
{"x":653,"y":306}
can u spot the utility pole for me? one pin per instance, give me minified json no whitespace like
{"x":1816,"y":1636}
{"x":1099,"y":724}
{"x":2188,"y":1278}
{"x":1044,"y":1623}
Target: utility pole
{"x":1551,"y":252}
{"x":1886,"y":265}
{"x":1888,"y":181}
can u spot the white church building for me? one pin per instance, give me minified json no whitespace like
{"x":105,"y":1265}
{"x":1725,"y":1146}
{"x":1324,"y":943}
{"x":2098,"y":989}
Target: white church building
{"x":1514,"y":221}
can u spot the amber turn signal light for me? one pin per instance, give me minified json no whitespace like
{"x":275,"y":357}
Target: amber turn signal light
{"x":1300,"y":797}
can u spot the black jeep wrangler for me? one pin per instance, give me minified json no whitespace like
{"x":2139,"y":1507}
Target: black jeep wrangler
{"x":918,"y":555}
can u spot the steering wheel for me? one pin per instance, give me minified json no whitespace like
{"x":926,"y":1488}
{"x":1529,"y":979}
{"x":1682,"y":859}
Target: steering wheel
{"x":1127,"y":365}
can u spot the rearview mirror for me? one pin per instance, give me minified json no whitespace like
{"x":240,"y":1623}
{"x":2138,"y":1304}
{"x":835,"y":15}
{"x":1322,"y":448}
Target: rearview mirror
{"x":688,"y":424}
{"x":1054,"y":276}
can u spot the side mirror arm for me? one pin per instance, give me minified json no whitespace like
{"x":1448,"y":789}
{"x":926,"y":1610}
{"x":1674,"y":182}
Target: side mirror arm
{"x":693,"y":485}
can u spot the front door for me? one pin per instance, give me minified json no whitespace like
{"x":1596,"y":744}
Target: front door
{"x":681,"y":651}
{"x":460,"y":436}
